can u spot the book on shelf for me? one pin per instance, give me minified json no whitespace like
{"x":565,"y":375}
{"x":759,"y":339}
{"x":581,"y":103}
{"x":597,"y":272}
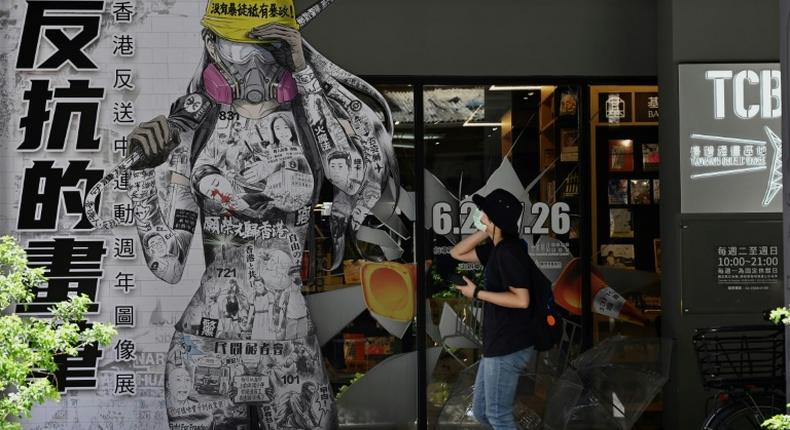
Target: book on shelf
{"x":573,"y":233}
{"x":618,"y":191}
{"x":640,"y":191}
{"x":621,"y":223}
{"x":650,"y":157}
{"x":568,"y":102}
{"x":621,"y":155}
{"x":618,"y":255}
{"x":656,"y":191}
{"x":569,"y":144}
{"x":550,"y":192}
{"x":571,"y":186}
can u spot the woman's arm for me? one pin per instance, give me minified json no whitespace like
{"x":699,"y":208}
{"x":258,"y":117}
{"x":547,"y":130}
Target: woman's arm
{"x":465,"y":249}
{"x":174,"y":233}
{"x":515,"y":298}
{"x":166,"y":238}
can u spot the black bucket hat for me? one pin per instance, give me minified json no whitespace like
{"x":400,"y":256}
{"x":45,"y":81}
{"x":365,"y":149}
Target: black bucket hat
{"x":502,"y":208}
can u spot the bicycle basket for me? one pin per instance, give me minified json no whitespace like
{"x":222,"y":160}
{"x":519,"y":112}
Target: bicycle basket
{"x":741,"y":356}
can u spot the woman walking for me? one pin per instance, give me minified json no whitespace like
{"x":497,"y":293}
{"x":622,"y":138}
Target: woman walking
{"x":507,"y":347}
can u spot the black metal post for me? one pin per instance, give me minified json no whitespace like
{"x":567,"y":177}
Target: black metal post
{"x":784,"y":13}
{"x":585,"y":216}
{"x":419,"y":236}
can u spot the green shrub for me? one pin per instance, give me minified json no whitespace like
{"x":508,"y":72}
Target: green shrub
{"x":28,"y":345}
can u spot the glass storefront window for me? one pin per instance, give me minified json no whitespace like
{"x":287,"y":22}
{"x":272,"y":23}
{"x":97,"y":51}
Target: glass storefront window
{"x":373,"y":337}
{"x":522,"y":138}
{"x":529,"y":140}
{"x":626,"y":197}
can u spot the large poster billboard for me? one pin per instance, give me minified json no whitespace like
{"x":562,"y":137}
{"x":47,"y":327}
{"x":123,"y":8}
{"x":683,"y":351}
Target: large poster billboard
{"x":165,"y":159}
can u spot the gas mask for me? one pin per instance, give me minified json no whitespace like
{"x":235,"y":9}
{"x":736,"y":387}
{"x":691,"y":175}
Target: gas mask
{"x":246,"y":72}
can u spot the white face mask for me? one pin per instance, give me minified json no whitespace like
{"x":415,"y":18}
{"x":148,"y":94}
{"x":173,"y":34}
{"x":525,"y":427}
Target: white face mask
{"x":477,"y":217}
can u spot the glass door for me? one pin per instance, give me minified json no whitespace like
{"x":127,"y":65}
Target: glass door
{"x":524,"y":139}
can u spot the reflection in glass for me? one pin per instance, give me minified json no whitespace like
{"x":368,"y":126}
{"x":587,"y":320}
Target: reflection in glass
{"x":524,"y":139}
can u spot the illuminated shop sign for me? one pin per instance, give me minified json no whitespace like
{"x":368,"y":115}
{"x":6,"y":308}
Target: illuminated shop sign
{"x":730,"y":138}
{"x":628,"y":107}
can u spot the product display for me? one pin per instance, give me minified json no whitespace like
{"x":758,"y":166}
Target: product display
{"x":621,"y":223}
{"x":626,"y":175}
{"x":640,"y":191}
{"x":621,"y":155}
{"x":574,"y":231}
{"x":568,"y":102}
{"x":621,"y":256}
{"x":618,"y":191}
{"x":569,"y":145}
{"x":571,"y":186}
{"x":650,"y":157}
{"x":656,"y":191}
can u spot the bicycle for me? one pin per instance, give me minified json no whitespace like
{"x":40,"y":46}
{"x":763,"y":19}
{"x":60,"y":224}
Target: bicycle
{"x":744,"y":366}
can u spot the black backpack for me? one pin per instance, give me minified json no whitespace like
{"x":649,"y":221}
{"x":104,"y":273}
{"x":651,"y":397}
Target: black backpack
{"x":545,"y":325}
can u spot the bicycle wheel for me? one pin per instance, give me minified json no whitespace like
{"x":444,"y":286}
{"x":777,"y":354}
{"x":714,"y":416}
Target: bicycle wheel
{"x":745,"y":414}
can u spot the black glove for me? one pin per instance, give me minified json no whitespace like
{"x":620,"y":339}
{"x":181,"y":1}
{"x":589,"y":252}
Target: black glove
{"x":153,"y":141}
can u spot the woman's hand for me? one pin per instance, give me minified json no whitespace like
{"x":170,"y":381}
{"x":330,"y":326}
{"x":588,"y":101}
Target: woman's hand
{"x":287,"y":35}
{"x":150,"y":137}
{"x":467,"y":290}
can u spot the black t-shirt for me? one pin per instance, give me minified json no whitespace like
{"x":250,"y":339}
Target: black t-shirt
{"x":506,"y":265}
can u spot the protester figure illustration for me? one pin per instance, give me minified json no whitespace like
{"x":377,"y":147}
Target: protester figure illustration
{"x":294,"y":411}
{"x":264,"y":120}
{"x":180,"y":383}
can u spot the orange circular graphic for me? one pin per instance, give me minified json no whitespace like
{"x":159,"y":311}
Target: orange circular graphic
{"x":388,"y":289}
